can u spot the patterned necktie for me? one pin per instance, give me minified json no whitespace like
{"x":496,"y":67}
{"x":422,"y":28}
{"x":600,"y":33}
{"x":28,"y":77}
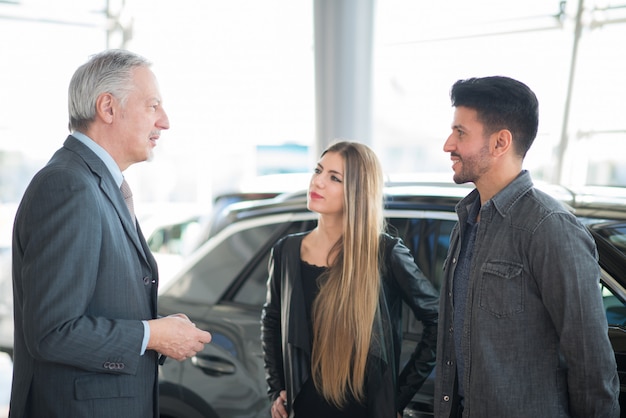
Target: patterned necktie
{"x":128,"y":198}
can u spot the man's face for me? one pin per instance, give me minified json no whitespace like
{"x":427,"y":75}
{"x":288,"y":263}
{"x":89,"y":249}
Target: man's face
{"x":140,"y":120}
{"x":468,"y":147}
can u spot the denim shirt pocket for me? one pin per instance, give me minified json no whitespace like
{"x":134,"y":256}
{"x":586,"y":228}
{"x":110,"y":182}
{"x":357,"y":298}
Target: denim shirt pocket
{"x":502,"y":288}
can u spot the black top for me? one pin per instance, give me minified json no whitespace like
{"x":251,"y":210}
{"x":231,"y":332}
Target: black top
{"x":286,"y":338}
{"x":309,"y":403}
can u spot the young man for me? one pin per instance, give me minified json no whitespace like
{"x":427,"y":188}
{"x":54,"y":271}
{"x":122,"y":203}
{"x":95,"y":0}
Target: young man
{"x":522,"y":329}
{"x":84,"y":281}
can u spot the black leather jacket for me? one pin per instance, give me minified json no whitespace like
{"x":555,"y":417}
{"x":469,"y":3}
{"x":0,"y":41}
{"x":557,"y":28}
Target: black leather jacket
{"x":287,"y":343}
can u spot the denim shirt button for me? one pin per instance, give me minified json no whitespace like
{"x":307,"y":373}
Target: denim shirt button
{"x":446,"y":398}
{"x":449,"y":363}
{"x":454,"y":260}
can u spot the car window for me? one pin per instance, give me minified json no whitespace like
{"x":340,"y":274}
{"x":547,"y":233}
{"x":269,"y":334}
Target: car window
{"x":616,"y":235}
{"x":613,"y":306}
{"x":207,"y":280}
{"x":171,"y":239}
{"x":253,"y":289}
{"x":428,"y":239}
{"x":611,"y":240}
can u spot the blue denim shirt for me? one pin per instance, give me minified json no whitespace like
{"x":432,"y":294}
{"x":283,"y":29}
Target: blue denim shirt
{"x":535,"y":337}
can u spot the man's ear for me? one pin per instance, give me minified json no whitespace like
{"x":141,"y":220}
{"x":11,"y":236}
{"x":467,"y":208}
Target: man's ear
{"x":105,"y":107}
{"x":502,"y":141}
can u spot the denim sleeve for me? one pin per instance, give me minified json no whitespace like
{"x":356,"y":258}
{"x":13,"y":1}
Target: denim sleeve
{"x":563,"y":259}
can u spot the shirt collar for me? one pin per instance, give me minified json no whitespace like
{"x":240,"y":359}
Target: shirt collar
{"x":504,"y":200}
{"x":103,"y":155}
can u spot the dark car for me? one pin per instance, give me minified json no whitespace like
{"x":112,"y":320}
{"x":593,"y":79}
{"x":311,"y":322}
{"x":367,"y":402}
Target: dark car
{"x":222,"y":289}
{"x":611,"y":241}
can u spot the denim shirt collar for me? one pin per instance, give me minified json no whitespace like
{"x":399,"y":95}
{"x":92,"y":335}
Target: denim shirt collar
{"x":503,"y":201}
{"x":506,"y":198}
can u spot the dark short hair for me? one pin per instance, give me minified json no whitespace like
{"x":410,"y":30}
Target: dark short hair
{"x":501,"y":103}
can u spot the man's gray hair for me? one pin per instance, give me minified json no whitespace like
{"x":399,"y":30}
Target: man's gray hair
{"x":109,"y":71}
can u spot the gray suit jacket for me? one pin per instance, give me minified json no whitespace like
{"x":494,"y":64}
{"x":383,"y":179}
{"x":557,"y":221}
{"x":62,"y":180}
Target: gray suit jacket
{"x":83,"y":279}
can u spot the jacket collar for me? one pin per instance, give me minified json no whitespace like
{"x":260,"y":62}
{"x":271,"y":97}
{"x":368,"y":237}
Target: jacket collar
{"x":108,"y":187}
{"x":504,"y":200}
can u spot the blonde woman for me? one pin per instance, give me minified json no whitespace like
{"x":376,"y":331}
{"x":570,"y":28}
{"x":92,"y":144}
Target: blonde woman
{"x":331,"y":326}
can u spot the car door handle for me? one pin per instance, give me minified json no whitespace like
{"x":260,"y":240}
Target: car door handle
{"x":213,"y":365}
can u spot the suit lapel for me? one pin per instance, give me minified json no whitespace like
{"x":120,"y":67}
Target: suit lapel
{"x":110,"y":189}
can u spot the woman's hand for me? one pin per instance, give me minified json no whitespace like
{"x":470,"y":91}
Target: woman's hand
{"x":278,"y":407}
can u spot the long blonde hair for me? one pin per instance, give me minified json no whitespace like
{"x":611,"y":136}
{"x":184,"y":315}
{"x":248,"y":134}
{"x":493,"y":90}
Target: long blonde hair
{"x":344,"y":310}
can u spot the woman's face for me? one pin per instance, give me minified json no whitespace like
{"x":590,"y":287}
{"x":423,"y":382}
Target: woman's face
{"x":326,"y":192}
